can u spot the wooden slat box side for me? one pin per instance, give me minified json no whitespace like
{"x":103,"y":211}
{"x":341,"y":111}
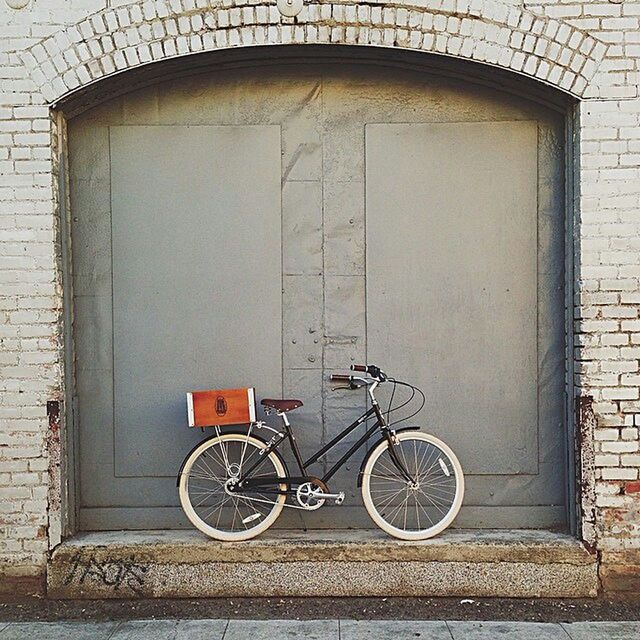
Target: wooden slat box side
{"x":220,"y":407}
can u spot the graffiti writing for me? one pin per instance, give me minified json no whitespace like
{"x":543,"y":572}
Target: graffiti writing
{"x":112,"y":573}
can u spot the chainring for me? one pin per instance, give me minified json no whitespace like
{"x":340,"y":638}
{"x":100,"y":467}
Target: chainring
{"x":304,"y":494}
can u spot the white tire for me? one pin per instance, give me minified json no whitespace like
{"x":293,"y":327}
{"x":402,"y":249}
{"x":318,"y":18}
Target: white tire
{"x":381,"y":506}
{"x":208,"y":453}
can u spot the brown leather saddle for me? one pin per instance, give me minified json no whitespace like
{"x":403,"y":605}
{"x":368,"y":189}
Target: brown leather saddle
{"x":281,"y":406}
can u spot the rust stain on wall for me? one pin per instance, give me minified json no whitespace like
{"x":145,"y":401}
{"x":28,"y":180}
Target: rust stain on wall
{"x":53,"y":451}
{"x":586,"y":477}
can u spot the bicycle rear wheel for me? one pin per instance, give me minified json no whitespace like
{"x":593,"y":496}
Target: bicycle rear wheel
{"x":420,"y":508}
{"x":204,"y":488}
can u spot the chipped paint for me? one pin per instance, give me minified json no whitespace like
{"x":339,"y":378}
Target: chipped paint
{"x":54,"y":452}
{"x":586,"y":472}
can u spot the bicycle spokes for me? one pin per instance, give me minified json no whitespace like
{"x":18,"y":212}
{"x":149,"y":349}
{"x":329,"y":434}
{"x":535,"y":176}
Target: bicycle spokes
{"x":208,"y":488}
{"x":423,"y":501}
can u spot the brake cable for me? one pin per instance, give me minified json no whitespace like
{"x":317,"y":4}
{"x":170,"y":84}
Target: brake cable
{"x":391,"y":409}
{"x":414,"y":391}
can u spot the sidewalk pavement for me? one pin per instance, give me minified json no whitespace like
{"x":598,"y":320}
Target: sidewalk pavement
{"x":317,"y":630}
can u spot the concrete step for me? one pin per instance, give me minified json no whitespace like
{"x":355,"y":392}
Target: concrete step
{"x":513,"y":563}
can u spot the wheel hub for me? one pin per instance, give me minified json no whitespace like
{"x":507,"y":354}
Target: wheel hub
{"x":230,"y":485}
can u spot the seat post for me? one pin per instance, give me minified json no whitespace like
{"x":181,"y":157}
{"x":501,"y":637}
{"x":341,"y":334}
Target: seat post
{"x":283,"y":415}
{"x":292,"y":441}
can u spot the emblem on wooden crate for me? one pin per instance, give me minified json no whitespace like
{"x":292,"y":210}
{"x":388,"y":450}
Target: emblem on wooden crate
{"x":221,"y":405}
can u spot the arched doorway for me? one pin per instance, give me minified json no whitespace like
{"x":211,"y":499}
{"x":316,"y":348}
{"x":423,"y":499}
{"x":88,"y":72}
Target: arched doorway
{"x":266,"y":226}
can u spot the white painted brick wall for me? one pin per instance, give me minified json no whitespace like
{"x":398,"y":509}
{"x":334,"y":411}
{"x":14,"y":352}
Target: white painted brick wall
{"x":29,"y":304}
{"x":542,"y":42}
{"x":607,"y":313}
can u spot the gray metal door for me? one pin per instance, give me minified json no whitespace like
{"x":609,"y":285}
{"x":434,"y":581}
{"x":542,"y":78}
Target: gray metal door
{"x":269,"y":227}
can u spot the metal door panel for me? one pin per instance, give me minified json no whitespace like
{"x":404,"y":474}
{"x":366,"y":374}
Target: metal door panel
{"x":452,"y":280}
{"x":196,"y":273}
{"x":171,"y":225}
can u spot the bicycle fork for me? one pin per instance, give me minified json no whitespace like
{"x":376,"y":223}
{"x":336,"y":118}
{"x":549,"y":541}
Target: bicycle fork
{"x":391,"y":437}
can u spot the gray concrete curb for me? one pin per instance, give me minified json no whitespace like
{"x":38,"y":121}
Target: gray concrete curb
{"x":332,"y":563}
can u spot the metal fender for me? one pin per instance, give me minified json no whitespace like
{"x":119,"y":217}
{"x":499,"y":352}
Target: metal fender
{"x":364,"y":460}
{"x":236,"y":432}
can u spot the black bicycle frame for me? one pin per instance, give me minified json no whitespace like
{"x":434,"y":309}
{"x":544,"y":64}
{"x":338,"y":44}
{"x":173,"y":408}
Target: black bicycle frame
{"x":246,"y":481}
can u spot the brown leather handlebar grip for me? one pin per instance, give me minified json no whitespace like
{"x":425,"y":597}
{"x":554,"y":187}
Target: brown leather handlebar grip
{"x":339,"y":378}
{"x":359,"y":367}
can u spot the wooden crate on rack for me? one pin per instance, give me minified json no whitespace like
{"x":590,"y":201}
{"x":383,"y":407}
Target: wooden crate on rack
{"x":220,"y":407}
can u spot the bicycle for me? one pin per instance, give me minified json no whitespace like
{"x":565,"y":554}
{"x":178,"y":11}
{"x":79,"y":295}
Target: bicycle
{"x":234,"y":485}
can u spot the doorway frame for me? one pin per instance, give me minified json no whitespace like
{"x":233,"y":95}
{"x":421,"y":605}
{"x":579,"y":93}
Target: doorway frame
{"x":195,"y":64}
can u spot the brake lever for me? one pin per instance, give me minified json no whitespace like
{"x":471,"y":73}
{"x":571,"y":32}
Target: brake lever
{"x":352,"y":386}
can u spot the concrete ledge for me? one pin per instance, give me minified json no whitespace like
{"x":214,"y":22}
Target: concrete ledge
{"x":322,"y":563}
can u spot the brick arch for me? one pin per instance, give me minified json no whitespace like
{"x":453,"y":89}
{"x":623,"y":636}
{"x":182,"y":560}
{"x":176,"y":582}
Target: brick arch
{"x":485,"y":31}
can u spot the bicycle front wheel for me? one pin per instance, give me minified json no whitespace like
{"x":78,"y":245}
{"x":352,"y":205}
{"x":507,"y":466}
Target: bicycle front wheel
{"x":419,"y":508}
{"x":204,"y":488}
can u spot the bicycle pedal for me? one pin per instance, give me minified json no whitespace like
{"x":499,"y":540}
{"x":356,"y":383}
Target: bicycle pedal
{"x":337,"y":497}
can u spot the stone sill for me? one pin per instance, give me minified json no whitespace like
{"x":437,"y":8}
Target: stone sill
{"x":515,"y":563}
{"x":364,"y":545}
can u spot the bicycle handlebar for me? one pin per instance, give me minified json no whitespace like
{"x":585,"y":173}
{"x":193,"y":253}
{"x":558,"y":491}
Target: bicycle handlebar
{"x":371,"y":369}
{"x":354,"y":381}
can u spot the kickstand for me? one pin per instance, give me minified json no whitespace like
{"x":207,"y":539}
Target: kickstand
{"x":304,"y":524}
